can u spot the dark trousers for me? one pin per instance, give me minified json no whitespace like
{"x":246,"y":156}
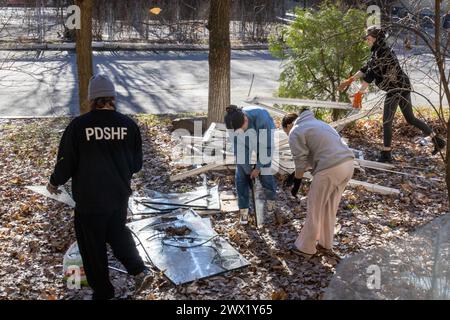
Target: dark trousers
{"x":93,"y":231}
{"x":400,"y":98}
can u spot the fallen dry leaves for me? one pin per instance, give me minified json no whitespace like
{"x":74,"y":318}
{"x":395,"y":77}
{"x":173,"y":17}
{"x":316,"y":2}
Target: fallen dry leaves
{"x":35,"y":232}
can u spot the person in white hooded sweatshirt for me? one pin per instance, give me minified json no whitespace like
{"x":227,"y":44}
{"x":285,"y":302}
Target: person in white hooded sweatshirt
{"x":316,"y":146}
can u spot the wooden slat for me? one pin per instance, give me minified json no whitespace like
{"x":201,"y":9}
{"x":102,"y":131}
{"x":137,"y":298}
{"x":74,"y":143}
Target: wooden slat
{"x":302,"y":103}
{"x":355,"y":117}
{"x":209,"y":133}
{"x":200,"y":170}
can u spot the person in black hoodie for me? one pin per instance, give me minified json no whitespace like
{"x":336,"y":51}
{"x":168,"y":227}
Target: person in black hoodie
{"x":384,"y":69}
{"x":100,"y":151}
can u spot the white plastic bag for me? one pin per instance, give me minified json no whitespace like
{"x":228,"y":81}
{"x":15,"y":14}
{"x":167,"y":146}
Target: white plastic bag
{"x":73,"y":268}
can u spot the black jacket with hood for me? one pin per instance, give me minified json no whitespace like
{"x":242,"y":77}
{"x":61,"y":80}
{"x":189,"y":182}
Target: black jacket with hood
{"x":100,"y":151}
{"x":383,"y":68}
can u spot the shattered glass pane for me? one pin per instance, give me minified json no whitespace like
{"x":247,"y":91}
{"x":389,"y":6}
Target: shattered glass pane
{"x":185,"y":247}
{"x":63,"y":197}
{"x":415,"y":268}
{"x":155,"y":202}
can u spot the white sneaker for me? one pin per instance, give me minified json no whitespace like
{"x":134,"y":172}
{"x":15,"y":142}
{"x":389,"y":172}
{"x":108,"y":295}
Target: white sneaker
{"x":243,"y":216}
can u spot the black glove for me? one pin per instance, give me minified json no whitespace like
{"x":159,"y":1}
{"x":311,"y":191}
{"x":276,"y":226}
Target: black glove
{"x":296,"y":187}
{"x":250,"y":181}
{"x":289,"y":181}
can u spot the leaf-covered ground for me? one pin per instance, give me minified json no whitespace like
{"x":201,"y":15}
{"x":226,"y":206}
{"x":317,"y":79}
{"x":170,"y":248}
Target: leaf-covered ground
{"x":35,"y":232}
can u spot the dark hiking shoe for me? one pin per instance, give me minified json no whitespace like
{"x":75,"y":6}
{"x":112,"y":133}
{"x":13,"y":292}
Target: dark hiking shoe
{"x":385,"y":157}
{"x":328,"y":252}
{"x":305,"y":256}
{"x":439,"y":144}
{"x":143,"y":280}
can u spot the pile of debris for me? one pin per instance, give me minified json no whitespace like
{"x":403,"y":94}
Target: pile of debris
{"x":204,"y":158}
{"x":213,"y":151}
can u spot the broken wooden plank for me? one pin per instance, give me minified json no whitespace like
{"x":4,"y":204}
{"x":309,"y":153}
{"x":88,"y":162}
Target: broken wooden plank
{"x":366,"y":185}
{"x":338,"y":125}
{"x":302,"y":103}
{"x":374,"y":164}
{"x":209,"y":133}
{"x":374,"y":187}
{"x":228,"y":202}
{"x":271,"y":109}
{"x":194,"y":149}
{"x":201,"y":169}
{"x":221,"y":126}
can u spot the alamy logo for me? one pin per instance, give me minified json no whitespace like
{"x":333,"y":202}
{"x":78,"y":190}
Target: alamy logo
{"x":374,"y":18}
{"x":374,"y":279}
{"x":74,"y":19}
{"x":74,"y":277}
{"x":74,"y":16}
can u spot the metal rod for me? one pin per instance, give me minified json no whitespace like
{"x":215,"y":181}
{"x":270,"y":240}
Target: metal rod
{"x":172,"y":204}
{"x":118,"y":270}
{"x":198,"y":198}
{"x":251,"y":85}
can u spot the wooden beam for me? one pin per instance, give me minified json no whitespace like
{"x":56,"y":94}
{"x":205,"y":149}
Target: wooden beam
{"x":302,"y":103}
{"x":374,"y":165}
{"x":276,"y":111}
{"x":228,"y":202}
{"x":209,"y":133}
{"x":366,"y":185}
{"x":374,"y":187}
{"x":200,"y":170}
{"x":362,"y":114}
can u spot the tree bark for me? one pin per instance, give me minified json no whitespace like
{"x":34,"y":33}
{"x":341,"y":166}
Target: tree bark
{"x":84,"y":52}
{"x":219,"y":60}
{"x":441,"y":66}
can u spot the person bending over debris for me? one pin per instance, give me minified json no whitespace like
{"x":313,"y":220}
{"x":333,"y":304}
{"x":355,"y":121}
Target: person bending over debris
{"x":100,"y":151}
{"x":316,"y":145}
{"x":253,"y":132}
{"x":384,"y":68}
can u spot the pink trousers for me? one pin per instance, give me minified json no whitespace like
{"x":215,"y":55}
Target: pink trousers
{"x":323,"y":201}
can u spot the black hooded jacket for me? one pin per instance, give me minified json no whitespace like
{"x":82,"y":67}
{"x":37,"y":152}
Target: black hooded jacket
{"x":383,"y":68}
{"x":100,"y":151}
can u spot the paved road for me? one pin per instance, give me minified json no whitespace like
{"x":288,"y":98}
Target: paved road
{"x":146,"y":82}
{"x":44,"y":84}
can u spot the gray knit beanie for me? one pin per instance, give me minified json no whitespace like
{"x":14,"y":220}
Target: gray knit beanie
{"x":100,"y":86}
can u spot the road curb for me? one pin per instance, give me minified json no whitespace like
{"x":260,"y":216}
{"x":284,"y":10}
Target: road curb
{"x":104,"y":46}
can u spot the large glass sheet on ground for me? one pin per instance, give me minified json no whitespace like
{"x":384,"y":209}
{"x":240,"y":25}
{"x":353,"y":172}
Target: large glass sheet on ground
{"x":156,"y":202}
{"x":185,"y":247}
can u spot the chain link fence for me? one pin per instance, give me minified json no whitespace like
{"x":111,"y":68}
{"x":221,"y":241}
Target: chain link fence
{"x":180,"y":21}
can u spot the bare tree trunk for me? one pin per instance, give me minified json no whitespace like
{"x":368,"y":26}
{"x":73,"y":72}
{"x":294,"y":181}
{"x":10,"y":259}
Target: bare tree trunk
{"x":441,"y":66}
{"x":84,"y":52}
{"x":219,"y":59}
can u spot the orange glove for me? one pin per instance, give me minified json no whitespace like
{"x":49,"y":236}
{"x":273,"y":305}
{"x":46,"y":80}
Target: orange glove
{"x":357,"y":100}
{"x":345,"y":84}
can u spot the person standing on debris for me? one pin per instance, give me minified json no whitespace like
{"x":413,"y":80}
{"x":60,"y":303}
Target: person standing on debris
{"x":384,"y":68}
{"x":100,"y":151}
{"x":253,"y":129}
{"x":317,"y":146}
